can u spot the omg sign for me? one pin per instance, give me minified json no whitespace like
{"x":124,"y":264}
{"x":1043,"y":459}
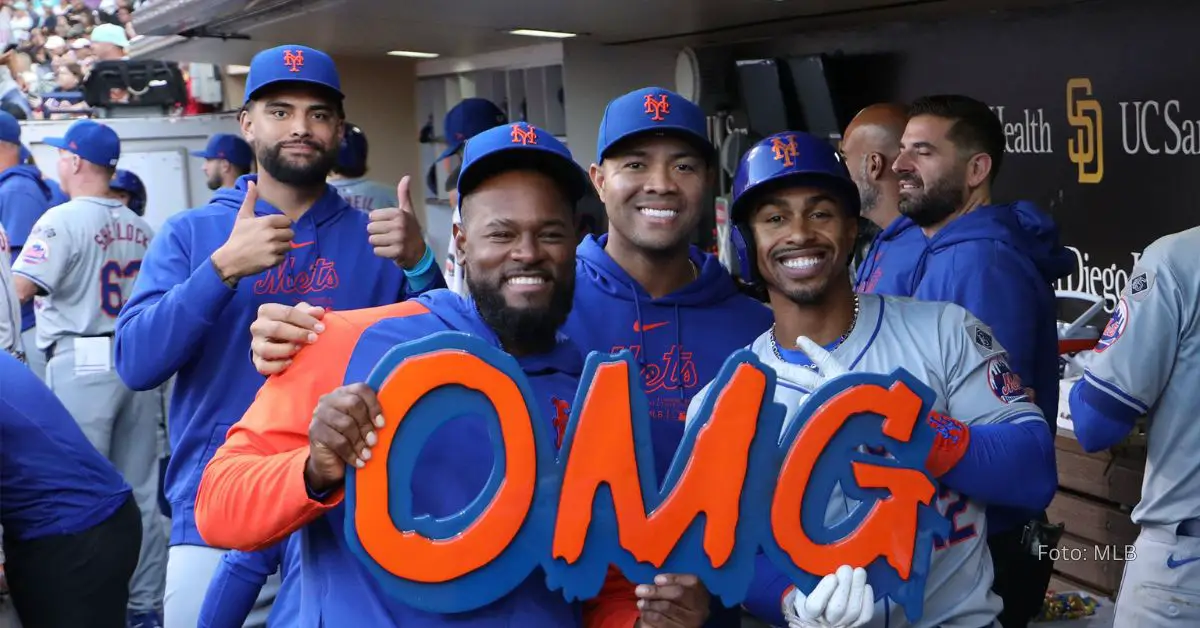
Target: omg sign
{"x":739,"y":486}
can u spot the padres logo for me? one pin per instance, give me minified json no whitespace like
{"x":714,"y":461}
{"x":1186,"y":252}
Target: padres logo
{"x":1086,"y":148}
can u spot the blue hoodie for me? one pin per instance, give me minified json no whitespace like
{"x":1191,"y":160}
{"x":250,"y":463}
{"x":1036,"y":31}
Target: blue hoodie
{"x":24,"y":197}
{"x":680,"y":340}
{"x":249,"y":493}
{"x":1000,"y":262}
{"x":183,"y":320}
{"x":890,"y":265}
{"x":239,"y":580}
{"x":54,"y":481}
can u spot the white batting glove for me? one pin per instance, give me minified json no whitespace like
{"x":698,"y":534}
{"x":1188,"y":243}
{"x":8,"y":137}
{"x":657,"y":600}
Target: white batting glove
{"x":828,"y":367}
{"x":841,"y":600}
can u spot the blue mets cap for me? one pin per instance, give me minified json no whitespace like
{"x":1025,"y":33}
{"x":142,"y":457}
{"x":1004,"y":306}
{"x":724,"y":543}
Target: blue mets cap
{"x":128,"y":182}
{"x":229,"y":147}
{"x":10,"y":129}
{"x":517,"y":145}
{"x":90,"y":140}
{"x":652,"y":110}
{"x":468,"y":118}
{"x":291,"y":63}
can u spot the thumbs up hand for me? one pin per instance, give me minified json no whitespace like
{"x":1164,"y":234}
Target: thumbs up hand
{"x":255,"y":244}
{"x":395,"y":232}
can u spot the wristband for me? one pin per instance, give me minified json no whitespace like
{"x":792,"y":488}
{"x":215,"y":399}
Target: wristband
{"x":423,"y":265}
{"x":950,"y":441}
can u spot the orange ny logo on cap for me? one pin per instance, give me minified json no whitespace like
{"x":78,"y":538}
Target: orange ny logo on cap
{"x":785,"y":150}
{"x":293,"y":60}
{"x":524,"y":135}
{"x":656,"y":108}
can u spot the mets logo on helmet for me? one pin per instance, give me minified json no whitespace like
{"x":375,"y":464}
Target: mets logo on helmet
{"x":785,"y":150}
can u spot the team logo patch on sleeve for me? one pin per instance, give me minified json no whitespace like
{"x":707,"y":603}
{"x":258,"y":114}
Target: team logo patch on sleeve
{"x":35,"y":252}
{"x":1140,"y":285}
{"x":1005,"y":384}
{"x":983,"y":340}
{"x":1115,"y":327}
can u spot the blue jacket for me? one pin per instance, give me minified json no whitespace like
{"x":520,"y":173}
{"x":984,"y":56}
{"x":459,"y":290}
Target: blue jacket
{"x":250,"y":494}
{"x":1000,"y":262}
{"x":53,"y":482}
{"x":182,"y":320}
{"x":890,"y":265}
{"x":680,"y":340}
{"x":239,"y":579}
{"x":24,"y":197}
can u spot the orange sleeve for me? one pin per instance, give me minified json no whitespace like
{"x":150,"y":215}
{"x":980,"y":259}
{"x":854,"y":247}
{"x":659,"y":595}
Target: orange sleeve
{"x":252,"y":494}
{"x":615,"y":606}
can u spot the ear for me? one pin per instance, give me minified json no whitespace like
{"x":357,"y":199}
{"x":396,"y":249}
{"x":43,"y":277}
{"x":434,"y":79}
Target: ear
{"x":460,"y":240}
{"x":876,"y":165}
{"x":596,"y":173}
{"x":979,"y":170}
{"x":244,"y":122}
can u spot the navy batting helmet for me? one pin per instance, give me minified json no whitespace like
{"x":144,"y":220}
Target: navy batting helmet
{"x":129,"y":183}
{"x":788,"y":159}
{"x":352,"y":154}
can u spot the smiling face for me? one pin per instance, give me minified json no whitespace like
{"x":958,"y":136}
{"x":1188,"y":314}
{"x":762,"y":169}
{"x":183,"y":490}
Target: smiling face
{"x":517,"y":244}
{"x":653,"y":188}
{"x":295,"y":131}
{"x":803,"y":238}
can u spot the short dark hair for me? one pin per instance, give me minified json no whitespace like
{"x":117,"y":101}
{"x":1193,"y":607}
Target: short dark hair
{"x":975,"y":127}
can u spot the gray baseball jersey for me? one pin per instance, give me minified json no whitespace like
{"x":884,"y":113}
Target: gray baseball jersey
{"x":10,"y":307}
{"x":85,"y":255}
{"x":957,"y":356}
{"x":1149,"y":359}
{"x":365,"y":194}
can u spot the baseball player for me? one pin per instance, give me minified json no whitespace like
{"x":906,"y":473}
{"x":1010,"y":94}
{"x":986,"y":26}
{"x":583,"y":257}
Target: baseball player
{"x":1000,"y":262}
{"x":81,"y":261}
{"x":10,"y":305}
{"x":227,"y":158}
{"x":470,"y":117}
{"x":283,"y":235}
{"x":522,"y":277}
{"x":71,"y":529}
{"x":128,"y":188}
{"x":795,"y":206}
{"x":642,"y":287}
{"x":24,"y":196}
{"x":240,"y":579}
{"x":348,"y":175}
{"x":1146,"y":363}
{"x":870,"y":145}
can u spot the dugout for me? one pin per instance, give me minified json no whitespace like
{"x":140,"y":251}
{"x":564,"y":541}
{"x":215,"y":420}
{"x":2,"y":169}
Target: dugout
{"x":1097,"y":98}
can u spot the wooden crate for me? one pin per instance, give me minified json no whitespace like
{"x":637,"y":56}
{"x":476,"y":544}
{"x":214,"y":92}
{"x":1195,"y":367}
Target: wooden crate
{"x":1096,"y":494}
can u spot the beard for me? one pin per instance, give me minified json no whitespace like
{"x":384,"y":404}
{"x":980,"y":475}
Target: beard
{"x":308,"y":174}
{"x":936,"y":202}
{"x":533,"y":329}
{"x":214,"y":182}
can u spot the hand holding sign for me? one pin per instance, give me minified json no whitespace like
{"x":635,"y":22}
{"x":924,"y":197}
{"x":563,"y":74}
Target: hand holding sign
{"x":673,"y":601}
{"x":342,"y":433}
{"x":841,"y":600}
{"x":395,"y":232}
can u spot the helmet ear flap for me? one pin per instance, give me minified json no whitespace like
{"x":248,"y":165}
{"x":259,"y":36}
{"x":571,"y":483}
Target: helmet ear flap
{"x":743,"y":255}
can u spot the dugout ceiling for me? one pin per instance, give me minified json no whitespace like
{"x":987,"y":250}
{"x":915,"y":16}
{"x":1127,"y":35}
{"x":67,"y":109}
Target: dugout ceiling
{"x":471,"y":27}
